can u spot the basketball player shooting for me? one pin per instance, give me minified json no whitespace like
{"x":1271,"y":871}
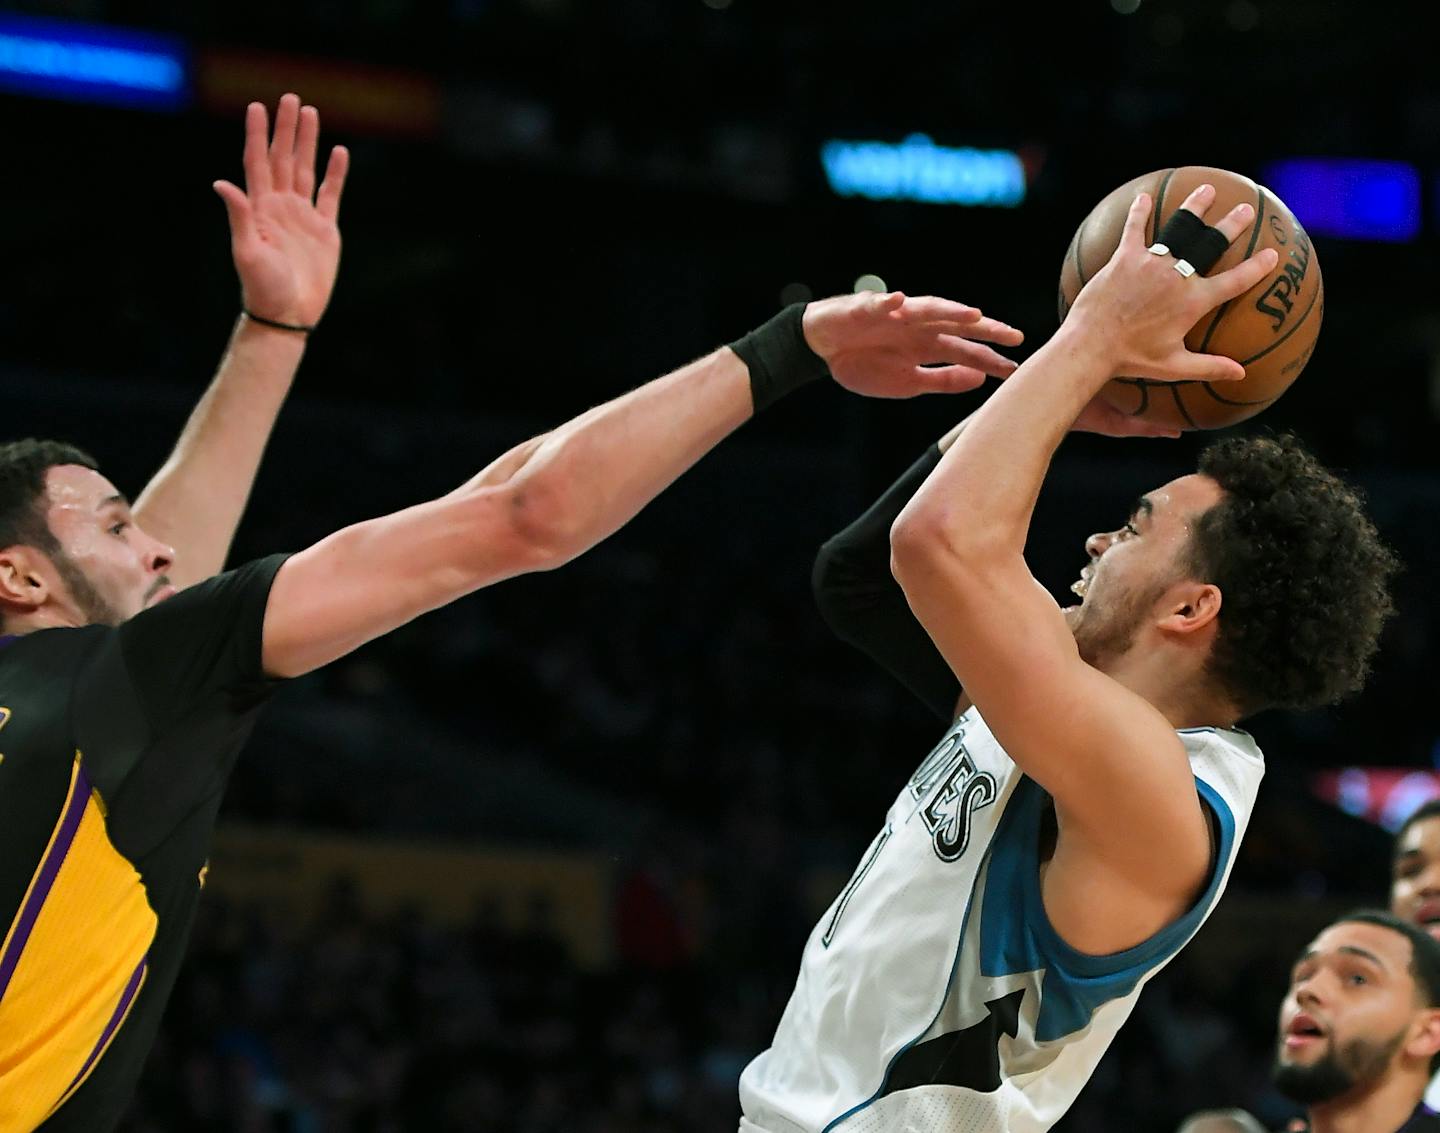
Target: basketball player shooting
{"x":1077,"y":822}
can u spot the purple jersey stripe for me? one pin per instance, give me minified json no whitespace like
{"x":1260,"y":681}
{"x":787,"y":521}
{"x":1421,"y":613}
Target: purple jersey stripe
{"x":121,"y":1010}
{"x":45,"y":879}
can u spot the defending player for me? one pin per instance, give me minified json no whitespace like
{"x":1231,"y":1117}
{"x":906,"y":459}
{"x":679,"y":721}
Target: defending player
{"x":123,"y":703}
{"x":1078,"y":821}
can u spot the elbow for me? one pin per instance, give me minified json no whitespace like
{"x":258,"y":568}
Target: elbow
{"x":545,"y":521}
{"x":918,"y":539}
{"x":926,"y":544}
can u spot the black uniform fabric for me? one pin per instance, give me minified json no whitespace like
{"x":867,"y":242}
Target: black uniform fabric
{"x":157,"y":710}
{"x":864,"y":605}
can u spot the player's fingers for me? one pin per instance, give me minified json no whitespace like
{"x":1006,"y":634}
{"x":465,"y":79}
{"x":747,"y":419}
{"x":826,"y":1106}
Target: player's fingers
{"x":948,"y":379}
{"x":306,"y":139}
{"x":931,"y":309}
{"x":1239,"y":279}
{"x":282,"y":143}
{"x":327,"y":201}
{"x":955,"y":349}
{"x":256,"y":160}
{"x":1123,"y":425}
{"x":1206,"y":368}
{"x":1133,"y":234}
{"x":237,"y":208}
{"x":993,"y":330}
{"x":1236,"y":221}
{"x":1199,"y":201}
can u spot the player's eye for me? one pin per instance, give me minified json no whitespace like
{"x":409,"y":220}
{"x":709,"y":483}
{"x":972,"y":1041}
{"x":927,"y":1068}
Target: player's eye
{"x":1130,"y":529}
{"x":1356,"y":979}
{"x":118,"y":528}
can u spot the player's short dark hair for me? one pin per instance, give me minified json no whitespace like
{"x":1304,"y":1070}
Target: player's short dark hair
{"x":1424,"y":950}
{"x":1420,"y":814}
{"x":1304,"y":576}
{"x":23,"y":465}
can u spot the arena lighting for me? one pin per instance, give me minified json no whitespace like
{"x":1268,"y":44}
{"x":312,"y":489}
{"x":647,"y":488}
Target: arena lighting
{"x":919,"y":170}
{"x":1386,"y":796}
{"x":92,"y":63}
{"x":1350,"y":197}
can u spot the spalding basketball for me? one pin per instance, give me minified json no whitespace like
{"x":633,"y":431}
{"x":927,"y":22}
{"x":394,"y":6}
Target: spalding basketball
{"x":1270,"y":329}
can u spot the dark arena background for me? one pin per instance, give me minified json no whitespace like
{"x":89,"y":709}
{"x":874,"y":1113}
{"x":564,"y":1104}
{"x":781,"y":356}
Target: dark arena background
{"x":546,"y":860}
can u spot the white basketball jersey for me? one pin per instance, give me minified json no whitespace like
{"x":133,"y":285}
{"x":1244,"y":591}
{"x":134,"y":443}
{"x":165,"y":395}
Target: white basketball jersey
{"x":934,"y":995}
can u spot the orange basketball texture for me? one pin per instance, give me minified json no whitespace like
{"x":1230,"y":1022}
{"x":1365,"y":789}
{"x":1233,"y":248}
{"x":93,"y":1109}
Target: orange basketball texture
{"x":1270,"y":329}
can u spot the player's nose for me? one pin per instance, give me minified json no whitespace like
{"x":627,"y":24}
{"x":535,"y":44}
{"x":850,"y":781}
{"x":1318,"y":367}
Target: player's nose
{"x":1099,"y":543}
{"x":159,"y":556}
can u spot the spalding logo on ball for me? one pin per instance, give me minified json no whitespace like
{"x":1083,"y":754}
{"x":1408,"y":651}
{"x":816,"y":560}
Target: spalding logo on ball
{"x":1270,"y":329}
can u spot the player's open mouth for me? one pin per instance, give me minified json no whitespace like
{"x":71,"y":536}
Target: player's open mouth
{"x":1428,"y":914}
{"x":1082,"y":584}
{"x":1302,"y":1032}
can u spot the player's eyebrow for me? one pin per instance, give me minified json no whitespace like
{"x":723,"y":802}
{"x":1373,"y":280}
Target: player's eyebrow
{"x":117,"y":498}
{"x":1351,"y":950}
{"x":1144,"y":506}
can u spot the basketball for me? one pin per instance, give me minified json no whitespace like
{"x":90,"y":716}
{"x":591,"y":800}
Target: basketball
{"x":1270,"y":329}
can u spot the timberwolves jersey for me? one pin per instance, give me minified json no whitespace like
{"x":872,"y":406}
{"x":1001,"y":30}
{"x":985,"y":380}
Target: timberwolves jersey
{"x":934,"y":995}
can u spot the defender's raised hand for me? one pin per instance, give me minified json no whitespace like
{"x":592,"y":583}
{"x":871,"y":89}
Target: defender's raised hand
{"x":893,"y":346}
{"x":283,"y":234}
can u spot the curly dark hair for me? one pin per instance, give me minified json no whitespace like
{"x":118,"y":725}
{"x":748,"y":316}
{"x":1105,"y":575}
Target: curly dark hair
{"x":1304,"y":576}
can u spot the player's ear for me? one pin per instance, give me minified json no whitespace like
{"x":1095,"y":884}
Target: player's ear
{"x":1425,"y":1036}
{"x":1190,"y":607}
{"x":24,"y":578}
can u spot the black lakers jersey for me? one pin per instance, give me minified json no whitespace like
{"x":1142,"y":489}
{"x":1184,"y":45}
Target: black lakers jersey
{"x":115,"y":747}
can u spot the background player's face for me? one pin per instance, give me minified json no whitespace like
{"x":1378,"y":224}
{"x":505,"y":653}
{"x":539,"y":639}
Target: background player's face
{"x":1352,"y":1005}
{"x":1415,"y":884}
{"x":111,"y":568}
{"x":1132,"y":567}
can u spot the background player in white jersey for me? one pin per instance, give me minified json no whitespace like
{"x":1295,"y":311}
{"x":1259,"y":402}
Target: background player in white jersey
{"x":1078,"y":821}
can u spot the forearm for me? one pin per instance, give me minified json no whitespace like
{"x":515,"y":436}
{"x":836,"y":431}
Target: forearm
{"x":576,"y":485}
{"x":983,"y":493}
{"x":195,"y":501}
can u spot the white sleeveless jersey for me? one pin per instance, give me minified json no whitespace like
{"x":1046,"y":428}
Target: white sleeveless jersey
{"x":934,"y":996}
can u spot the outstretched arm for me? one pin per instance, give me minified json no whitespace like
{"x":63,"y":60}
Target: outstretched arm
{"x":1134,"y":844}
{"x":553,"y":497}
{"x":286,"y":246}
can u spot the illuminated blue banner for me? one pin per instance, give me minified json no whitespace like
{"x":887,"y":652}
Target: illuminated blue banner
{"x":919,"y":170}
{"x":1351,"y":197}
{"x":92,"y":63}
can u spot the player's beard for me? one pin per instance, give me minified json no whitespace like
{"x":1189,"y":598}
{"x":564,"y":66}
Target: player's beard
{"x":1343,"y":1067}
{"x":1105,"y":626}
{"x":96,"y":609}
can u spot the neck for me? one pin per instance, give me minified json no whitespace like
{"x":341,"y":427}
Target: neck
{"x":1381,"y":1106}
{"x":1174,"y":682}
{"x":48,"y":617}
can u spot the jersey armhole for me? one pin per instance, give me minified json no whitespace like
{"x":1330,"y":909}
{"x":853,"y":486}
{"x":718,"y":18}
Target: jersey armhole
{"x":1167,"y":940}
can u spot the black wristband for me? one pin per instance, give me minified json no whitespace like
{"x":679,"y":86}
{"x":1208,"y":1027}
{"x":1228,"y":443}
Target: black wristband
{"x":264,"y":322}
{"x":778,"y":357}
